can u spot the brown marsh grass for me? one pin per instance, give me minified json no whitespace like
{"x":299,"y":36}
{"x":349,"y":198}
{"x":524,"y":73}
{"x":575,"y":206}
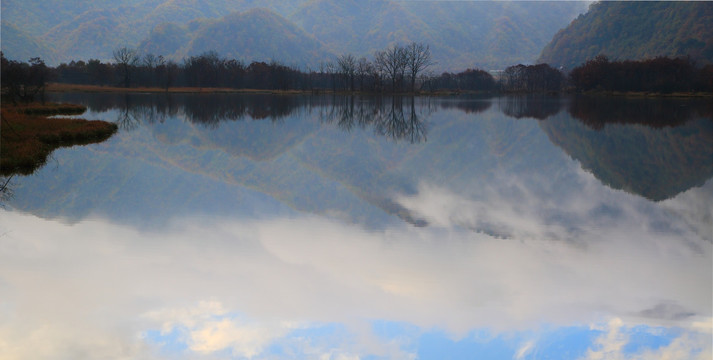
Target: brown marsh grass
{"x":27,"y":139}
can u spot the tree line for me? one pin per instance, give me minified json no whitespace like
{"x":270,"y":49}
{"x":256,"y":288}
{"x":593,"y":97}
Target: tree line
{"x":395,"y":69}
{"x":23,"y":81}
{"x":661,"y":74}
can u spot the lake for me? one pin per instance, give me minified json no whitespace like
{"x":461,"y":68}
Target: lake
{"x":346,"y":227}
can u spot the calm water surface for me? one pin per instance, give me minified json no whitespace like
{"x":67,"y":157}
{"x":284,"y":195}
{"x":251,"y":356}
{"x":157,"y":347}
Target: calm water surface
{"x":234,"y":226}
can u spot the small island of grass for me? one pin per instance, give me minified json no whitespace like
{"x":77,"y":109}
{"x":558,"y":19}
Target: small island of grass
{"x":28,"y":135}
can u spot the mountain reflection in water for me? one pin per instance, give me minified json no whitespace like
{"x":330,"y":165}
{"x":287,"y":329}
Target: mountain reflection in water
{"x":655,"y":148}
{"x":261,"y":226}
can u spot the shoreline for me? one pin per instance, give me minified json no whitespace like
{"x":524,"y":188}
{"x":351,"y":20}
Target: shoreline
{"x":62,"y":88}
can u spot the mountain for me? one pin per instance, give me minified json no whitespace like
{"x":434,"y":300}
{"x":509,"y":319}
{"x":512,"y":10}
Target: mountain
{"x":24,"y":46}
{"x":635,"y":30}
{"x":36,"y":18}
{"x":84,"y":29}
{"x":254,"y":35}
{"x":461,"y":33}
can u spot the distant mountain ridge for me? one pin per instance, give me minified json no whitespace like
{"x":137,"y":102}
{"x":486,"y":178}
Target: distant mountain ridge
{"x":23,"y":45}
{"x":254,"y":35}
{"x":635,"y":30}
{"x":461,"y":34}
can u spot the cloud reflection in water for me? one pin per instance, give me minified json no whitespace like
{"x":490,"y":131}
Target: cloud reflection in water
{"x":524,"y":251}
{"x":247,"y":286}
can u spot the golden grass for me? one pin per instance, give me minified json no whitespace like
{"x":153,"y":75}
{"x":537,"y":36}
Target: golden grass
{"x":28,"y":139}
{"x":56,"y":87}
{"x":50,"y":109}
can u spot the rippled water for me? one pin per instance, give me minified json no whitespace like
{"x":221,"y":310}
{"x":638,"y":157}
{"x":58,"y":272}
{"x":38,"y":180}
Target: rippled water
{"x":261,"y":226}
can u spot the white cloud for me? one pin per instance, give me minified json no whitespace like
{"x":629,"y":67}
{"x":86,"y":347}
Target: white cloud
{"x":610,"y":344}
{"x":524,"y":350}
{"x":693,"y":345}
{"x":694,"y":207}
{"x":208,"y":328}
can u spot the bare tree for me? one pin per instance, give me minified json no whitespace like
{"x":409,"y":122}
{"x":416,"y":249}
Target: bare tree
{"x":392,"y":62}
{"x":419,"y":59}
{"x":331,"y":69}
{"x":150,"y":63}
{"x":364,"y":68}
{"x":126,"y":58}
{"x":348,"y":67}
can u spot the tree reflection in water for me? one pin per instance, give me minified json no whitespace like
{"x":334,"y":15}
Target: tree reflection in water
{"x":396,"y":118}
{"x":536,"y":106}
{"x":598,"y":111}
{"x":669,"y":154}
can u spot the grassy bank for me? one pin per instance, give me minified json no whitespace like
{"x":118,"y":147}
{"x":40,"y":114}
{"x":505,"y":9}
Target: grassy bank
{"x":55,"y":87}
{"x":49,"y":109}
{"x":28,"y":137}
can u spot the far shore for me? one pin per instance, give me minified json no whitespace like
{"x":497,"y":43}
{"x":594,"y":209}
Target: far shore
{"x":58,"y":87}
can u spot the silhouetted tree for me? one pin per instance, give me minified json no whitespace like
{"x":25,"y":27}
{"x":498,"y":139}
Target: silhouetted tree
{"x":660,"y":74}
{"x":532,"y":78}
{"x":203,"y":70}
{"x":364,"y":69}
{"x":150,"y":62}
{"x":167,"y":73}
{"x":393,"y":63}
{"x":468,"y":80}
{"x":348,"y":68}
{"x":99,"y":73}
{"x":23,"y":81}
{"x":38,"y":75}
{"x":331,"y":69}
{"x":418,"y":60}
{"x":126,"y":58}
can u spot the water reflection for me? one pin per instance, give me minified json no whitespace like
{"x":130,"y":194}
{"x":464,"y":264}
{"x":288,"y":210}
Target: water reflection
{"x":6,"y":189}
{"x":535,"y":106}
{"x":226,"y":230}
{"x":396,"y":118}
{"x":193,"y":132}
{"x":598,"y":111}
{"x":655,"y":148}
{"x":469,"y":105}
{"x":312,"y":286}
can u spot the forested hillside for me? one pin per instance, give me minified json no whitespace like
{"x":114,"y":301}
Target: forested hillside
{"x":464,"y":34}
{"x":635,"y":30}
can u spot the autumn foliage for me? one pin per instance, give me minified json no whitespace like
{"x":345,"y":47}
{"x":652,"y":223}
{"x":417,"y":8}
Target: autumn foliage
{"x":661,"y":75}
